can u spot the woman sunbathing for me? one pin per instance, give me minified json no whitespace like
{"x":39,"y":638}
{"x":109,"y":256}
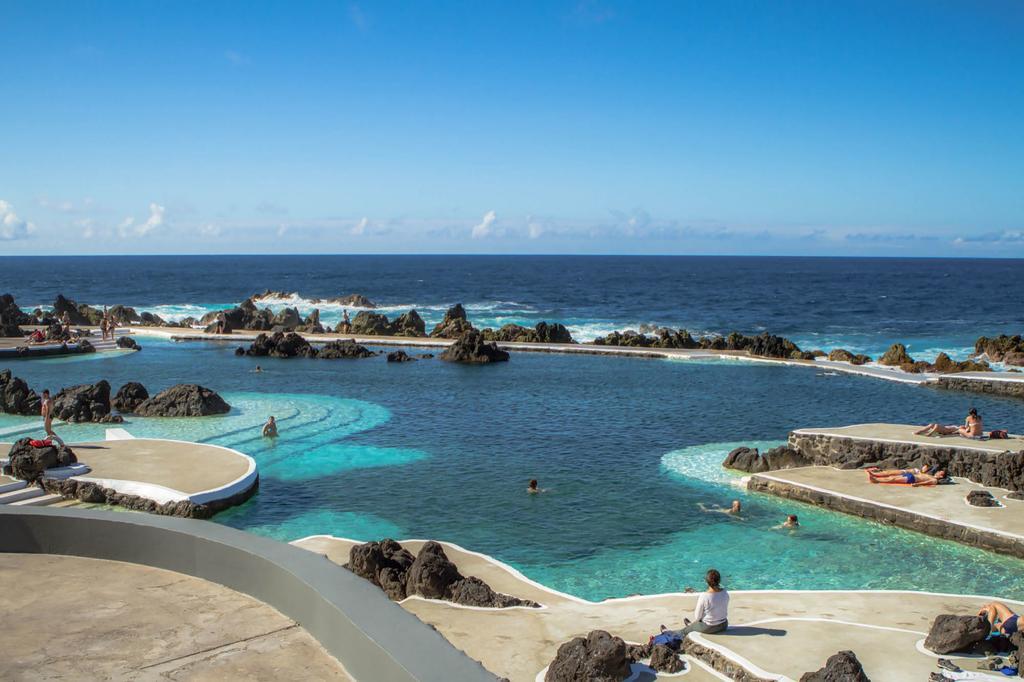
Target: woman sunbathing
{"x":906,"y":477}
{"x":972,"y":427}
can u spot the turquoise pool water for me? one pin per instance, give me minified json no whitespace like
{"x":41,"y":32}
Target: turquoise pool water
{"x":627,"y":449}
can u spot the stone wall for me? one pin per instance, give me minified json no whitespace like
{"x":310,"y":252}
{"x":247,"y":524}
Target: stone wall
{"x":88,"y":491}
{"x":939,"y":528}
{"x":991,"y":386}
{"x":997,"y":469}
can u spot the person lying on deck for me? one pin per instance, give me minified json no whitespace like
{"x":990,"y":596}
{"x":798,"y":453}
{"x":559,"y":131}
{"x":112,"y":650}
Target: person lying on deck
{"x":711,"y":614}
{"x":926,"y":468}
{"x":906,"y":478}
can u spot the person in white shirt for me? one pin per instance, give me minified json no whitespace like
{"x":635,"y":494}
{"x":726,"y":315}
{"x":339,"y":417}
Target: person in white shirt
{"x":712,"y":612}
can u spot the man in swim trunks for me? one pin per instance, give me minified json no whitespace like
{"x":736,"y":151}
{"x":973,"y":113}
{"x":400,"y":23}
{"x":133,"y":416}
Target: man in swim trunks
{"x":46,"y":410}
{"x":906,"y":477}
{"x":998,"y":612}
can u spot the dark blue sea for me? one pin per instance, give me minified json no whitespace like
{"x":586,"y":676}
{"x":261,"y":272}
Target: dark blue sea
{"x":626,"y":448}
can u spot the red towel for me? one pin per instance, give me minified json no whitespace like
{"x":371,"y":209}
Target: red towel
{"x":40,"y":443}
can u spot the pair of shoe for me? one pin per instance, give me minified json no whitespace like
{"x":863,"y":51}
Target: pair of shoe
{"x":991,"y":664}
{"x":949,"y":665}
{"x":937,"y":677}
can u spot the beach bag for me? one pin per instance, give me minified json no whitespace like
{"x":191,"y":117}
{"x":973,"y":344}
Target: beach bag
{"x":998,"y":434}
{"x":669,"y":639}
{"x":40,"y":443}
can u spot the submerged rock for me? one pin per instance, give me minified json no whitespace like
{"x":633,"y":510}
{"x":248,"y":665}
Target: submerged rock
{"x":951,"y":633}
{"x":183,"y":400}
{"x":472,"y":349}
{"x":129,"y":396}
{"x":400,"y":356}
{"x":840,"y":667}
{"x":598,"y":657}
{"x":30,"y":463}
{"x":16,"y":397}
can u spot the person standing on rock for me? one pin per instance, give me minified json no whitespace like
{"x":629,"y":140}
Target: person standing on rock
{"x":346,"y":326}
{"x":46,"y":410}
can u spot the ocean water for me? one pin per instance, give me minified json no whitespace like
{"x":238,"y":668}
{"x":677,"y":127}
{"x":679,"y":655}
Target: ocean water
{"x":627,"y":450}
{"x":862,"y":304}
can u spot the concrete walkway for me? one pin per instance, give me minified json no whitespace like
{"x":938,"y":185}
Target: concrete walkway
{"x":69,"y":618}
{"x":776,"y":634}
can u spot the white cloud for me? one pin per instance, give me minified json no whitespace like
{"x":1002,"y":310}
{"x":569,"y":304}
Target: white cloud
{"x":11,"y":226}
{"x":355,"y":12}
{"x":88,"y":226}
{"x":359,"y":228}
{"x":124,"y":229}
{"x":484,"y":229}
{"x":155,"y":220}
{"x":282,"y":229}
{"x":210,"y":230}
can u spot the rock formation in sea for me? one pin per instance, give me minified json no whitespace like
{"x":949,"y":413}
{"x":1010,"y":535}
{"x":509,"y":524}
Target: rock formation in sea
{"x":29,"y":463}
{"x":453,"y":325}
{"x":84,"y":403}
{"x":367,"y":323}
{"x":1002,"y":348}
{"x":598,"y":657}
{"x":128,"y":397}
{"x":128,"y":343}
{"x":951,"y":633}
{"x":840,"y":667}
{"x":543,"y":332}
{"x":183,"y":400}
{"x":472,"y":349}
{"x":79,"y":314}
{"x":16,"y":397}
{"x":151,"y":320}
{"x":400,"y":356}
{"x":843,"y":355}
{"x":754,"y":462}
{"x":897,"y":356}
{"x":429,"y":574}
{"x":10,"y":312}
{"x":123,"y":315}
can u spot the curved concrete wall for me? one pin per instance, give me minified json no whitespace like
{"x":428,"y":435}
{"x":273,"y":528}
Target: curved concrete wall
{"x":374,"y":638}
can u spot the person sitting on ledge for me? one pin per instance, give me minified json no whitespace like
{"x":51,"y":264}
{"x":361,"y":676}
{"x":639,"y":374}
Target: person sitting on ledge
{"x":998,"y":612}
{"x":270,"y":428}
{"x":711,"y":614}
{"x":972,"y":427}
{"x":733,"y":510}
{"x":902,"y":477}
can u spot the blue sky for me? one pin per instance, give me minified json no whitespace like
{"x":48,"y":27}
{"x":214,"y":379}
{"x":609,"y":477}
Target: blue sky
{"x":854,"y":128}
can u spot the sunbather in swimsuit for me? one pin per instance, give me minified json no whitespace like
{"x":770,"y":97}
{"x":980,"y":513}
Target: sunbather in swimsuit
{"x":906,"y":478}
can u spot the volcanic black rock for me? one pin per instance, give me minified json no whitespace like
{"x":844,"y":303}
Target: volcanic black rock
{"x":981,"y":498}
{"x":400,"y":356}
{"x":29,"y":463}
{"x":129,"y":396}
{"x":950,"y":633}
{"x":454,"y":323}
{"x":598,"y":657}
{"x":840,"y":667}
{"x":83,"y":403}
{"x":128,"y":342}
{"x":472,"y":349}
{"x":16,"y":397}
{"x":183,"y":400}
{"x":345,"y":349}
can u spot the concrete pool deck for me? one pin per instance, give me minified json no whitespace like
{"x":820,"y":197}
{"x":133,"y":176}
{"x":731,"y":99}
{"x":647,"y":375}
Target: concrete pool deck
{"x":125,"y":621}
{"x":164,"y":471}
{"x":904,"y":433}
{"x":776,"y":635}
